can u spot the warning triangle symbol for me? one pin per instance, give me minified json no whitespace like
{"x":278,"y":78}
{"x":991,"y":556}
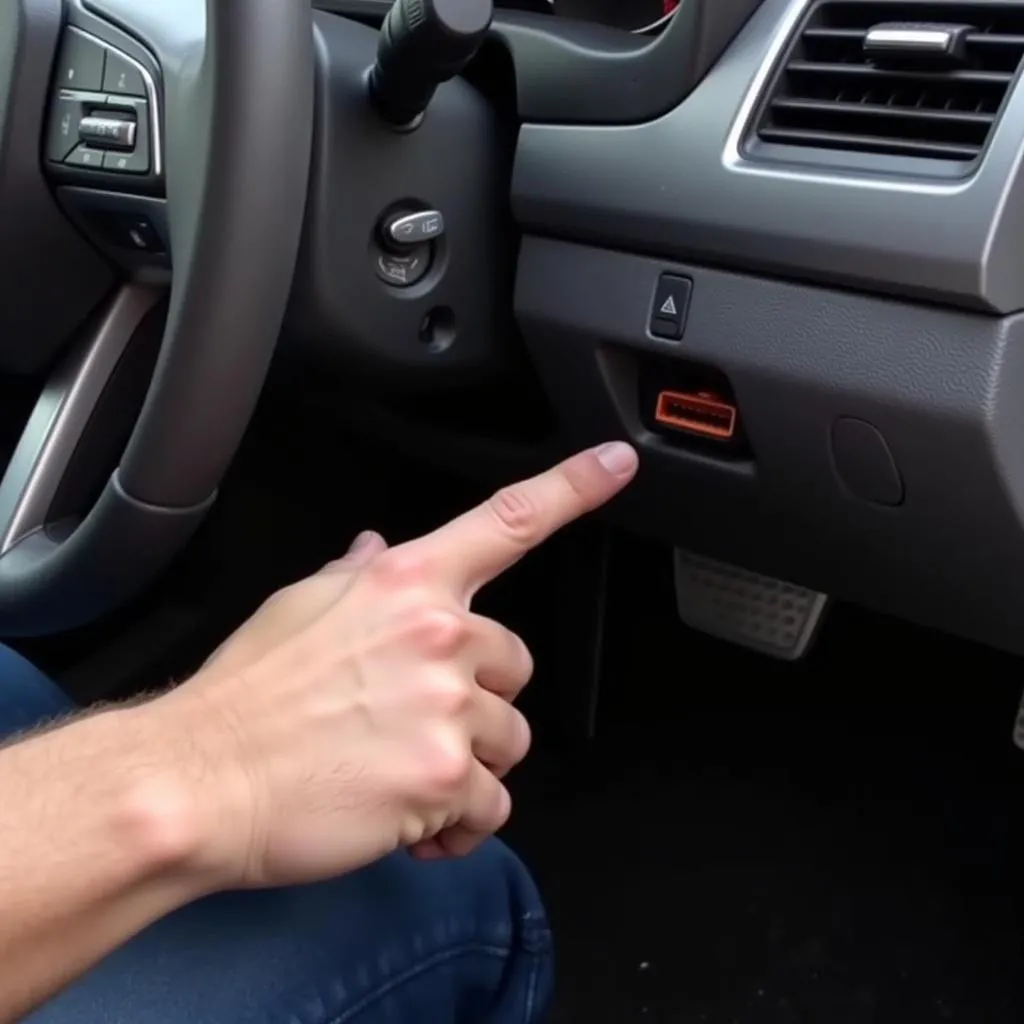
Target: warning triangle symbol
{"x":668,"y":307}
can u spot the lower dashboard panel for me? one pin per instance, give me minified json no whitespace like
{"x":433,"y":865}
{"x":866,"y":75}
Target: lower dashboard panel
{"x":880,"y":447}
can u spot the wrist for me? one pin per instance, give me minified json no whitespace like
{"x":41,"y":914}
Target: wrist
{"x":163,"y":807}
{"x":210,"y":823}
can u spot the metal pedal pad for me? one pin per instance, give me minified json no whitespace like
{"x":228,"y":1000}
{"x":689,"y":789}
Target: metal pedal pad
{"x":771,"y":616}
{"x":1018,"y":725}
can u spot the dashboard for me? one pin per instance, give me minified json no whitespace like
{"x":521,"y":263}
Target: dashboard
{"x":643,"y":16}
{"x":640,"y":17}
{"x":853,"y":272}
{"x":774,"y":243}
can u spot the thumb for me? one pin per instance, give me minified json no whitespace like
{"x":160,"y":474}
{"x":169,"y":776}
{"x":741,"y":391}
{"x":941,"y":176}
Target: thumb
{"x":363,"y":549}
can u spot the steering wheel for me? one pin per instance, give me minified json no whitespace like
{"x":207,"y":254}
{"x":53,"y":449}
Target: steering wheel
{"x":187,"y":185}
{"x":214,"y":105}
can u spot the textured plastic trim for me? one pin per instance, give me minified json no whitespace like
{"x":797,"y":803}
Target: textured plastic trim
{"x":679,"y":187}
{"x":941,"y":386}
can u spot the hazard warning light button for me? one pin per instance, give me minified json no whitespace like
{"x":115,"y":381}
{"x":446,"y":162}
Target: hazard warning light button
{"x":668,"y":311}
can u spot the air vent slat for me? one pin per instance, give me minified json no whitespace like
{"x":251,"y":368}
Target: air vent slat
{"x":868,"y":111}
{"x":854,"y":35}
{"x":981,"y":40}
{"x":825,"y":34}
{"x":838,"y":90}
{"x":999,"y":79}
{"x":869,"y":143}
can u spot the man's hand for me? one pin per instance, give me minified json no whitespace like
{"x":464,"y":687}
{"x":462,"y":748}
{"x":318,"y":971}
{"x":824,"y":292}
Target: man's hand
{"x":363,"y":709}
{"x":367,"y":708}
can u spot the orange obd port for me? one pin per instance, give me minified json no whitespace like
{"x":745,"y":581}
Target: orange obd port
{"x":702,"y":413}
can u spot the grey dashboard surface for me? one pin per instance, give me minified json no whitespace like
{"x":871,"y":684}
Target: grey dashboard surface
{"x":680,"y":186}
{"x":941,"y":386}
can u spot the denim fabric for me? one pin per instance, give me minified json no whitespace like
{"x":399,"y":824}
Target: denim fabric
{"x":399,"y":942}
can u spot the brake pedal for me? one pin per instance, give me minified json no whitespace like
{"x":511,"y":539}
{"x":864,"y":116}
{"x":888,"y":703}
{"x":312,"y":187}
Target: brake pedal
{"x":767,"y":615}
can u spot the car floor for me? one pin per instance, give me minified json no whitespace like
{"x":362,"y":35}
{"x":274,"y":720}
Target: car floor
{"x":747,"y":842}
{"x":743,"y":841}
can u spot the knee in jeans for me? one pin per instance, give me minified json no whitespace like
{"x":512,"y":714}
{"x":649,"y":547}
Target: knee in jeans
{"x":491,"y":887}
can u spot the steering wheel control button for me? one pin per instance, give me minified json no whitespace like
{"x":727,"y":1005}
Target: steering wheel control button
{"x":670,"y":306}
{"x":86,"y":156}
{"x":122,"y":77}
{"x":403,"y":271}
{"x":103,"y":130}
{"x":409,"y":230}
{"x":136,"y":112}
{"x":125,"y":163}
{"x":108,"y":132}
{"x":63,"y":134}
{"x":81,"y":63}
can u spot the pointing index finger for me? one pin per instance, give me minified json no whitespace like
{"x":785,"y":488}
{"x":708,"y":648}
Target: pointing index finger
{"x":482,"y":543}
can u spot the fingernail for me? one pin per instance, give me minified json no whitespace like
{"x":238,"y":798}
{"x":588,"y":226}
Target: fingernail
{"x":361,"y":541}
{"x":617,"y":457}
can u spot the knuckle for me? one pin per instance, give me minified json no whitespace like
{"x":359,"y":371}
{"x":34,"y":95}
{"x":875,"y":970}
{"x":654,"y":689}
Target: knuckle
{"x":513,"y":672}
{"x":526,"y":660}
{"x":521,"y":737}
{"x":448,"y":694}
{"x":400,"y":567}
{"x":448,"y":763}
{"x":516,"y":513}
{"x":438,"y":632}
{"x":502,"y":808}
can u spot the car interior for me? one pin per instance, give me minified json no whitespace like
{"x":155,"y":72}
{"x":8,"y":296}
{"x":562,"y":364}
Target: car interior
{"x":274,"y":272}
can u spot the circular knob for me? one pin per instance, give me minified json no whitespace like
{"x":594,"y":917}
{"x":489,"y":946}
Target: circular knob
{"x":422,"y":44}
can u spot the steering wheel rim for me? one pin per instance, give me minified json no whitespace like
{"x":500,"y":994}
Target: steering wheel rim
{"x":237,"y":120}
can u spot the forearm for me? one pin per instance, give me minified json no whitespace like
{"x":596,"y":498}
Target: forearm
{"x":97,"y":840}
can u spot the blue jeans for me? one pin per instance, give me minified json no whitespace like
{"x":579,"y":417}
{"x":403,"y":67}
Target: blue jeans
{"x":399,"y":942}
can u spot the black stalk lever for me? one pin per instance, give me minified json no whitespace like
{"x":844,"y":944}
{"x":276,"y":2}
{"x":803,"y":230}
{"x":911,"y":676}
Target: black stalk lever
{"x":422,"y":44}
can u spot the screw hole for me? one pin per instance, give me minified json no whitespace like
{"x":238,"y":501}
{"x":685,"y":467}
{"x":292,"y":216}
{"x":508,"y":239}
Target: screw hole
{"x":437,"y":329}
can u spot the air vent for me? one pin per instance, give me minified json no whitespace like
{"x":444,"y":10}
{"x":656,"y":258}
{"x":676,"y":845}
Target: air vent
{"x":917,"y":78}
